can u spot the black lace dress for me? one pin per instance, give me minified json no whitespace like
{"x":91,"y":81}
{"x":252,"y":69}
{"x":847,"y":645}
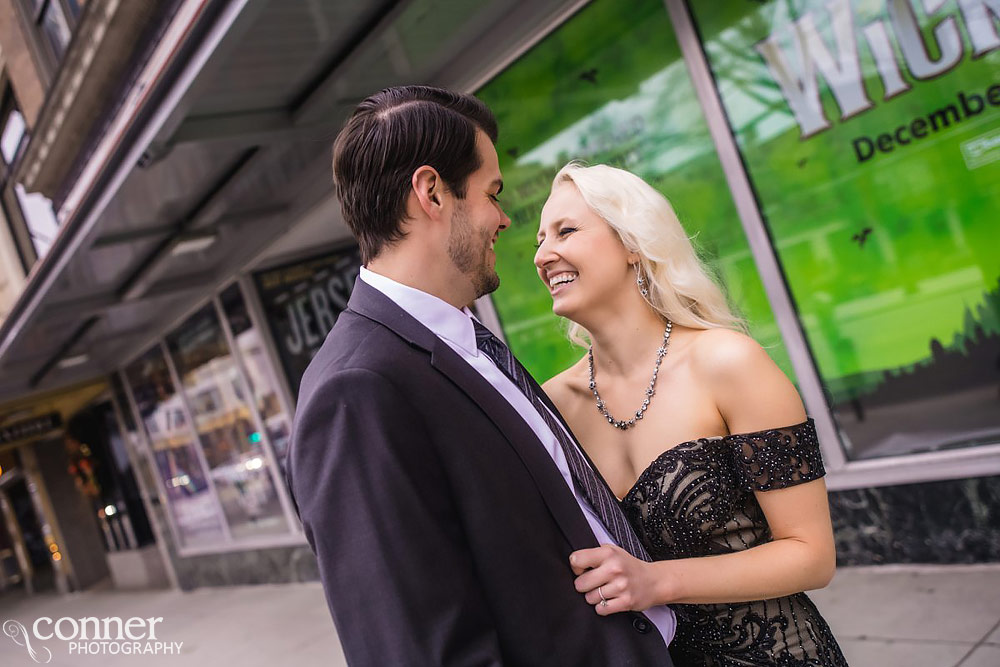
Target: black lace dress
{"x":697,"y":499}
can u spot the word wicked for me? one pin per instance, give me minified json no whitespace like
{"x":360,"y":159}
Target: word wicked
{"x":841,"y":67}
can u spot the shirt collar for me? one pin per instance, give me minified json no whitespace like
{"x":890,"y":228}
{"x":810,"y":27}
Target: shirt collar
{"x":442,"y":318}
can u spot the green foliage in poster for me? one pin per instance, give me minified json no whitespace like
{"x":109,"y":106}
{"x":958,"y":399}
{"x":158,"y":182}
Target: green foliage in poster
{"x":610,"y":86}
{"x":886,"y":222}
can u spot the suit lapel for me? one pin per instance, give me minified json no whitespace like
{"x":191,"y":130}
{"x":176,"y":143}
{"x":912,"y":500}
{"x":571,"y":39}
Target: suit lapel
{"x":367,"y":301}
{"x":550,"y":482}
{"x":373,"y":304}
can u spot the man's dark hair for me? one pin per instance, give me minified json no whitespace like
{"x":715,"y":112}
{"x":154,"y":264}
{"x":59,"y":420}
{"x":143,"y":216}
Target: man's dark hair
{"x":389,"y":136}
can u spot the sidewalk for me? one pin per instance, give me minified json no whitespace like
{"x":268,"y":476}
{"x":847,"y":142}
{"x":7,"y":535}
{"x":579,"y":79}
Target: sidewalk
{"x":913,"y":616}
{"x":244,"y":626}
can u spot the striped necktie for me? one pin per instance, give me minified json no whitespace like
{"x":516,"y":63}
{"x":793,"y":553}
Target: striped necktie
{"x":591,"y":485}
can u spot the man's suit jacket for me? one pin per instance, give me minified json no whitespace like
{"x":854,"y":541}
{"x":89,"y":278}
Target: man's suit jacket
{"x":441,"y":526}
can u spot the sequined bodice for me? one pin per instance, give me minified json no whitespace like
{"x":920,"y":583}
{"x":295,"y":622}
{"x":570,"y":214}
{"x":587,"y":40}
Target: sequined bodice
{"x":697,"y":499}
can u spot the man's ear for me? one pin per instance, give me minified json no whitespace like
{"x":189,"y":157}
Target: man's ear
{"x":429,"y":189}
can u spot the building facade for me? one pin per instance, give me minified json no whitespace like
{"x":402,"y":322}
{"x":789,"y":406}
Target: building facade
{"x":173,"y":253}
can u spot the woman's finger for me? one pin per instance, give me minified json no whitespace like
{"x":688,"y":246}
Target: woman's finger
{"x":591,"y":579}
{"x":609,"y":604}
{"x":588,"y":559}
{"x":593,"y":597}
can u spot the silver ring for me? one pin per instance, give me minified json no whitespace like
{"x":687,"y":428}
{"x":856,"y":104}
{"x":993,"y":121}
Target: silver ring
{"x":604,"y":600}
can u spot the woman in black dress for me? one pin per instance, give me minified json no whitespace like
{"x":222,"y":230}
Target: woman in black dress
{"x":717,"y":467}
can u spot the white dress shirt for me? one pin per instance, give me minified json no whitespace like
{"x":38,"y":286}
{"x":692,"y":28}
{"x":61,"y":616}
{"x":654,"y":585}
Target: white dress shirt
{"x":454,"y":327}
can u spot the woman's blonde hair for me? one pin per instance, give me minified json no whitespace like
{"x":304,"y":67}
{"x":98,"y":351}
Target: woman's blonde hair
{"x":680,"y":285}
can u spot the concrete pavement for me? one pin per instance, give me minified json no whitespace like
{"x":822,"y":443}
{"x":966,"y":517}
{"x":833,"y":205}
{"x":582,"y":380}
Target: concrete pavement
{"x":247,"y":626}
{"x":915,"y":616}
{"x":888,"y":616}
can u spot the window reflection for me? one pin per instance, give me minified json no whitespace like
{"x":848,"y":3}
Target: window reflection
{"x":892,"y":260}
{"x":39,"y":217}
{"x":56,"y":28}
{"x":10,"y":138}
{"x":626,"y":100}
{"x":260,"y":372}
{"x":190,"y":500}
{"x":225,"y":423}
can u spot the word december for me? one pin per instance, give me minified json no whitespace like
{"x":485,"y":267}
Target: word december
{"x":968,"y":106}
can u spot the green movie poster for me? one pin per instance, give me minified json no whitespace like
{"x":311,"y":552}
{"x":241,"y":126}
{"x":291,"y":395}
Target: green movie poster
{"x":871,"y":132}
{"x":609,"y":86}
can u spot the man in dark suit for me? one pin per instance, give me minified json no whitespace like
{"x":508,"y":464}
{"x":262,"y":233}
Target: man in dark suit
{"x":439,"y":489}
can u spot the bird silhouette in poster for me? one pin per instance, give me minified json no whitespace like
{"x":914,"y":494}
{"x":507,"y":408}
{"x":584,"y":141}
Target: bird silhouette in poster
{"x":590,"y":75}
{"x":862,"y":236}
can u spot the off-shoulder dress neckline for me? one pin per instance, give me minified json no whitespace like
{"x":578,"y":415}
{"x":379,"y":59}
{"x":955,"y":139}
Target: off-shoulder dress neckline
{"x":687,"y":444}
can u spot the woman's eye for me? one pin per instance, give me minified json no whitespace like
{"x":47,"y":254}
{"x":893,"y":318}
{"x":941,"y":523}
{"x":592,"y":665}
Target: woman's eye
{"x":566,"y":230}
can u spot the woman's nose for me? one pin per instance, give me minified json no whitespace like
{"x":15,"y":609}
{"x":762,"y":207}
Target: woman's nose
{"x":543,"y":255}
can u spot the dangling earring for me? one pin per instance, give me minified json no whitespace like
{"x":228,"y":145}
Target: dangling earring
{"x":640,"y":281}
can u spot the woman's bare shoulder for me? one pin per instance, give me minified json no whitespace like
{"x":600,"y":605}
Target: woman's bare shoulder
{"x":568,"y":386}
{"x":724,"y":352}
{"x":750,"y":390}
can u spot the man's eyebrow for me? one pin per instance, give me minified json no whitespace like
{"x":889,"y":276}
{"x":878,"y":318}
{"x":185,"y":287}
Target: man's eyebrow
{"x":498,"y":184}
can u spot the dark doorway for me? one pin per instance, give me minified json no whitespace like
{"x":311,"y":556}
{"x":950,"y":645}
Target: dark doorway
{"x":104,"y":474}
{"x":43,"y":574}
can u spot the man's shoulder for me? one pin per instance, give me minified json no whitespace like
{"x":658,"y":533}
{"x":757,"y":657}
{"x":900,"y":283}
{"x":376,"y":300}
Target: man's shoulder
{"x":355,"y":343}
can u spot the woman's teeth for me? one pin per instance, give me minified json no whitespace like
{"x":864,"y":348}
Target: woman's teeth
{"x":562,"y":278}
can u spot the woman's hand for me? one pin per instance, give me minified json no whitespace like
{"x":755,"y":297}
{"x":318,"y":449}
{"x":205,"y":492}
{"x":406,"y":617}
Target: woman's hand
{"x":615,"y":581}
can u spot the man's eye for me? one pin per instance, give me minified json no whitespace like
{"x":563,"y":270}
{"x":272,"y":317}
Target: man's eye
{"x":495,"y":198}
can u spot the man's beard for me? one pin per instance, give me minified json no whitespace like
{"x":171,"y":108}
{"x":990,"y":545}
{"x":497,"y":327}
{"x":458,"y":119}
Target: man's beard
{"x":468,"y":252}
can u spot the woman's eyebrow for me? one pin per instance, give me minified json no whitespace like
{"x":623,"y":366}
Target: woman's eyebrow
{"x":554,"y":223}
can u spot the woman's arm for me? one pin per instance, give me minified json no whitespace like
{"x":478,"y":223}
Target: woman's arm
{"x":752,"y":394}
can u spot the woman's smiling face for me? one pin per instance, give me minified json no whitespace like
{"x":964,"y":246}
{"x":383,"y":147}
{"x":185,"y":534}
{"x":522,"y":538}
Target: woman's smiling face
{"x":580,"y":258}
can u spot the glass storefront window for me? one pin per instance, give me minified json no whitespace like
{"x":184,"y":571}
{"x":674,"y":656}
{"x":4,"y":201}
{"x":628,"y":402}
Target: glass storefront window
{"x":225,"y":424}
{"x":39,"y":218}
{"x":144,"y":472}
{"x":128,"y":425}
{"x":190,"y":502}
{"x":610,"y":86}
{"x":56,"y":28}
{"x":260,"y":371}
{"x":302,"y":301}
{"x":11,"y":135}
{"x":871,"y":135}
